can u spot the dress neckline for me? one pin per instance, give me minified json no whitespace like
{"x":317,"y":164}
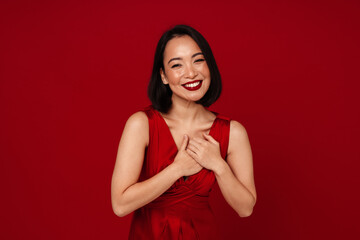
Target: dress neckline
{"x":191,"y":178}
{"x":170,"y":134}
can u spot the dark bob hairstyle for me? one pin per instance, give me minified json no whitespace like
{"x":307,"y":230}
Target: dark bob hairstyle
{"x":160,"y":93}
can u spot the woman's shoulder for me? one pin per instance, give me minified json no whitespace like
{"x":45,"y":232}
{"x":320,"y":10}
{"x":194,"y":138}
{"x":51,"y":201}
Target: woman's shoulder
{"x":236,"y":128}
{"x":140,"y":118}
{"x":235,"y":125}
{"x":138,"y":125}
{"x":237,"y":135}
{"x":141,"y":114}
{"x":220,"y":116}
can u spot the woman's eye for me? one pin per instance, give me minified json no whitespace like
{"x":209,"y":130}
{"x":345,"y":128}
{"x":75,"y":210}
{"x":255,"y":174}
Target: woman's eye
{"x":200,"y":60}
{"x":176,"y":65}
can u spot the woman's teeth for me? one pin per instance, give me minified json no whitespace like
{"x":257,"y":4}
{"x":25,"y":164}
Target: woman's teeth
{"x":192,"y":84}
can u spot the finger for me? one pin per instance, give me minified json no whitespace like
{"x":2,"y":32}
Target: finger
{"x":195,"y":144}
{"x":192,"y":148}
{"x":185,"y":142}
{"x":209,"y":138}
{"x":192,"y":154}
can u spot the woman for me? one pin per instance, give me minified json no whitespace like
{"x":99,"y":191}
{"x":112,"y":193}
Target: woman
{"x":171,"y":152}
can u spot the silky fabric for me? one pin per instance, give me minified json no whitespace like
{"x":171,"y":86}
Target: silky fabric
{"x":183,"y":211}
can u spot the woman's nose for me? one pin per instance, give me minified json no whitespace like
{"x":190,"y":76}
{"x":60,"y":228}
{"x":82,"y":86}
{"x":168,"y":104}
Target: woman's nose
{"x":190,"y":71}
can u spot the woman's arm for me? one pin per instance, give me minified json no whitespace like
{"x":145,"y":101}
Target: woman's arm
{"x":127,"y":194}
{"x":235,"y":178}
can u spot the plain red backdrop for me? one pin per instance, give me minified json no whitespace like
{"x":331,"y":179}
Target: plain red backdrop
{"x":72,"y":72}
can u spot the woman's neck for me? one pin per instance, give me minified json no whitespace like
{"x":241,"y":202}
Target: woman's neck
{"x":186,"y":112}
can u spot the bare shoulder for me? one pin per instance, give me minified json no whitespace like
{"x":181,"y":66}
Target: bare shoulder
{"x":138,"y":126}
{"x":238,"y":136}
{"x":138,"y":119}
{"x":237,"y":130}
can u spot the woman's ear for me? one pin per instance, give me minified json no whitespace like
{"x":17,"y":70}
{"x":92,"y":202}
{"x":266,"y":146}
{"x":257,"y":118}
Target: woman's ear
{"x":163,"y":77}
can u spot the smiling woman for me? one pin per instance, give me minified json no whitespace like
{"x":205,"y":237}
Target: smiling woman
{"x":187,"y":75}
{"x":173,"y":151}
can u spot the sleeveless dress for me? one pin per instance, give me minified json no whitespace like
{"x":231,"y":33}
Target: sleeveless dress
{"x":183,"y":211}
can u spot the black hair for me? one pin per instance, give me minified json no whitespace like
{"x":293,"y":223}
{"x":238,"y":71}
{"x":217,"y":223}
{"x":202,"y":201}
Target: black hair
{"x":160,"y":93}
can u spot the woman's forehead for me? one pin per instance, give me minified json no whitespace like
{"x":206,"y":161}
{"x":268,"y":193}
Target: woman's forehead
{"x":181,"y":46}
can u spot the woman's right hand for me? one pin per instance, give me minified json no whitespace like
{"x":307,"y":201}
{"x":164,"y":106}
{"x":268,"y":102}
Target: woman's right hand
{"x":184,"y":162}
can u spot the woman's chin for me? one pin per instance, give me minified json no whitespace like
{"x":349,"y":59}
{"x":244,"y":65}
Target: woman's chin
{"x":190,"y":98}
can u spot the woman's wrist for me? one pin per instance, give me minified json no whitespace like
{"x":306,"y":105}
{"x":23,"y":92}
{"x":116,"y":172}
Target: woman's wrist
{"x":220,"y":168}
{"x":175,"y":170}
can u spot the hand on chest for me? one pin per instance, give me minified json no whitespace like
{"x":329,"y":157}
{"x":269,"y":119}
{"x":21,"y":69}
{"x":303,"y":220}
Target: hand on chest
{"x":177,"y":132}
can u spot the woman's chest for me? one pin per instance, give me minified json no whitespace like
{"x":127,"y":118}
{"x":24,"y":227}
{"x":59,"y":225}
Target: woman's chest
{"x":176,"y":132}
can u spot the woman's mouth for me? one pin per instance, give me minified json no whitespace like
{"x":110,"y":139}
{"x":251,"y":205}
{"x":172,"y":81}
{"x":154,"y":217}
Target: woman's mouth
{"x":192,"y":86}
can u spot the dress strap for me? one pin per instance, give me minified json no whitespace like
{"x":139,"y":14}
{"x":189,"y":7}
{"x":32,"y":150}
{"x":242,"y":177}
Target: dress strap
{"x":148,"y":110}
{"x":222,"y":133}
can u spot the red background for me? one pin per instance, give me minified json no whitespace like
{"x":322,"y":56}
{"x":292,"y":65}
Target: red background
{"x":72,"y":72}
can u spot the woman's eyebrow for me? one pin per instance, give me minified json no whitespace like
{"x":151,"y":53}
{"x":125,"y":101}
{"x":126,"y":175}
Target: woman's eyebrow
{"x":179,"y":58}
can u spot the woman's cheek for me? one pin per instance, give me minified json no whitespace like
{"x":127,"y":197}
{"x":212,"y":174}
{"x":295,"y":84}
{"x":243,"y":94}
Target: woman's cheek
{"x":180,"y":73}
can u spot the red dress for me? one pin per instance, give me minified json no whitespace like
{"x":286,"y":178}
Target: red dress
{"x":183,"y":211}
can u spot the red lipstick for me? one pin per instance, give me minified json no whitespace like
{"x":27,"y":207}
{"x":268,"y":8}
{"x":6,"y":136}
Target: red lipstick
{"x":195,"y":85}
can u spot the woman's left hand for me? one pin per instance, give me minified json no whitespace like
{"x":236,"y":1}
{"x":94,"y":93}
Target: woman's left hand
{"x":205,"y":151}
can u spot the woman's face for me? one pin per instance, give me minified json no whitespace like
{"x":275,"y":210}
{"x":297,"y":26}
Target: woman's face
{"x":185,"y":69}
